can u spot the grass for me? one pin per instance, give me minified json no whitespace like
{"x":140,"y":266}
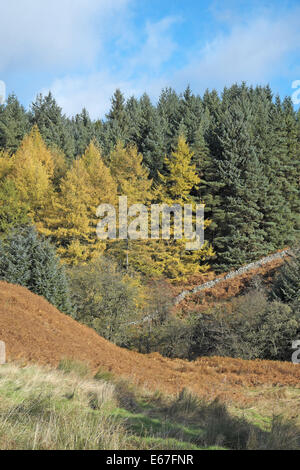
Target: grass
{"x":67,"y":408}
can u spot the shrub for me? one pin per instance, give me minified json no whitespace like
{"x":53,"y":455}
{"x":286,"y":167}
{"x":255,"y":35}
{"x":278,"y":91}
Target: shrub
{"x":286,"y":287}
{"x":76,"y":367}
{"x":106,"y":298}
{"x":251,"y":327}
{"x":279,"y":326}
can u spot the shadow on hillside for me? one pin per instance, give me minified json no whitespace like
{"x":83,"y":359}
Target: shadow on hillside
{"x":191,"y":420}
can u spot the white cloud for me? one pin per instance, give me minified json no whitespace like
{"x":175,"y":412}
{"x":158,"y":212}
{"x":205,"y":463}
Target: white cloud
{"x":94,"y":91}
{"x":159,"y":45}
{"x":93,"y":47}
{"x":254,"y":52}
{"x":45,"y":34}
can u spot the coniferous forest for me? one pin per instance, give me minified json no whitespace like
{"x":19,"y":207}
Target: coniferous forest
{"x":150,"y":227}
{"x":238,"y":153}
{"x":241,"y":151}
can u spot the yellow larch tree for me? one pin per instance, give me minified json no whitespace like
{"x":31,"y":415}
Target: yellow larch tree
{"x":175,"y":187}
{"x":132,"y":179}
{"x":32,"y":170}
{"x":72,"y":221}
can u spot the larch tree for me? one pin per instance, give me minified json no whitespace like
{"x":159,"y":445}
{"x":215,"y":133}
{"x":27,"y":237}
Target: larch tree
{"x":72,"y":220}
{"x":132,"y":179}
{"x":176,"y":187}
{"x":32,"y":173}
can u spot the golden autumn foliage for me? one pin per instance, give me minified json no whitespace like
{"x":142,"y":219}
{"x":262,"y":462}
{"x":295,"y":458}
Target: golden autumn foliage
{"x":157,"y":258}
{"x":72,"y":219}
{"x":6,"y":163}
{"x":175,"y":187}
{"x":171,"y":256}
{"x":132,"y":177}
{"x":32,"y":172}
{"x":62,"y":202}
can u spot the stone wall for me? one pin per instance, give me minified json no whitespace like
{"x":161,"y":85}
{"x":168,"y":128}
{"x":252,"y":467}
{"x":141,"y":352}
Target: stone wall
{"x":232,"y":274}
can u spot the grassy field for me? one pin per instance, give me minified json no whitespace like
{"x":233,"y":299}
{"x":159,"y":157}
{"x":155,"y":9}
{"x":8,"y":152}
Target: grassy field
{"x":68,"y":408}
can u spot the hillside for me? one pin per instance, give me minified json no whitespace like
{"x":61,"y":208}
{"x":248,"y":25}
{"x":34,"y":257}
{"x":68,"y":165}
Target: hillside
{"x":35,"y":331}
{"x":201,"y":292}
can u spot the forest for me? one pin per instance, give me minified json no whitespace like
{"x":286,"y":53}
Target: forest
{"x":238,"y":153}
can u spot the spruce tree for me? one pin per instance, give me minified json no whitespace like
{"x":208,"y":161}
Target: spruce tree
{"x":117,"y":126}
{"x":83,"y":130}
{"x":270,"y":145}
{"x":151,"y":136}
{"x":169,"y":110}
{"x":53,"y":125}
{"x":29,"y":260}
{"x":14,"y":124}
{"x":286,"y":286}
{"x":240,"y":236}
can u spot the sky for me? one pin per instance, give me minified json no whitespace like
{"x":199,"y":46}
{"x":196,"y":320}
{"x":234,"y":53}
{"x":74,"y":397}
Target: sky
{"x":82,"y":50}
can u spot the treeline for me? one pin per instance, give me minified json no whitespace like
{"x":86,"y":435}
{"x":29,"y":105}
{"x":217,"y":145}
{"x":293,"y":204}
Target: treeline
{"x":241,"y":151}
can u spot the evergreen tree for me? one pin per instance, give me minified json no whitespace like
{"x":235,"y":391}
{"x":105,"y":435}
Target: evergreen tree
{"x":83,"y":130}
{"x":270,"y":147}
{"x":286,"y":287}
{"x":117,"y":124}
{"x":170,"y":113}
{"x":14,"y":124}
{"x":52,"y":124}
{"x":291,"y":167}
{"x":30,"y":261}
{"x":151,"y":136}
{"x":240,"y":236}
{"x":191,"y":110}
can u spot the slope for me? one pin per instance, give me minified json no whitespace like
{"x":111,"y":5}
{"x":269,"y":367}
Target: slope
{"x":35,"y":331}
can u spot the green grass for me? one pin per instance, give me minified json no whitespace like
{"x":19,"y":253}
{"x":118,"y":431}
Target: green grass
{"x":67,"y":408}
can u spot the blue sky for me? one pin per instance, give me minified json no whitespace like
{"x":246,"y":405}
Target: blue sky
{"x":82,"y":50}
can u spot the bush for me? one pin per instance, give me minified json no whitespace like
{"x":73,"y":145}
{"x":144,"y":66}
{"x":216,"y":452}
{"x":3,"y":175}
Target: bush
{"x":107,"y":299}
{"x":70,"y":366}
{"x":250,"y":327}
{"x":286,"y":287}
{"x":278,"y":329}
{"x":31,"y":261}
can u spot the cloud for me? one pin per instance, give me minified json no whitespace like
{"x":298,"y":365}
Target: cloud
{"x":254,"y":52}
{"x":88,"y":48}
{"x":159,"y":45}
{"x":94,"y":91}
{"x":56,"y":34}
{"x":131,"y":74}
